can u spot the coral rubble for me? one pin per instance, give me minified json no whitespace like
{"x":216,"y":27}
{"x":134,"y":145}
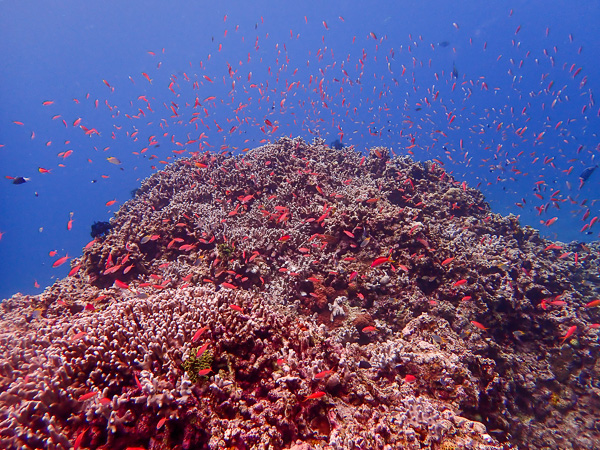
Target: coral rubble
{"x":307,"y":297}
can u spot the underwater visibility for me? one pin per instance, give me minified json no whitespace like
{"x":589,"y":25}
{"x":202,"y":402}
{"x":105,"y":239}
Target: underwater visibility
{"x":299,"y":226}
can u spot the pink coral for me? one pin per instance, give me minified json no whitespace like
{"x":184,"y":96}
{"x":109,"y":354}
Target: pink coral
{"x":272,"y":253}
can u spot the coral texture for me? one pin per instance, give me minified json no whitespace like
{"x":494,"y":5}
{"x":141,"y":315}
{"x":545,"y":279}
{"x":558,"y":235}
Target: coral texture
{"x":305,"y":297}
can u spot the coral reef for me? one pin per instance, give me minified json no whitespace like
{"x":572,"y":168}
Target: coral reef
{"x":307,"y":297}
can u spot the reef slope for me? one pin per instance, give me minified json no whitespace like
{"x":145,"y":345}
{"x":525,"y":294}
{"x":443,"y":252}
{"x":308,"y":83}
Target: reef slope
{"x":300,"y":296}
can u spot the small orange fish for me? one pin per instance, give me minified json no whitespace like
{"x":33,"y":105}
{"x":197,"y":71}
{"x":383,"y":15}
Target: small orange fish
{"x":137,"y":382}
{"x":204,"y":372}
{"x":369,"y":329}
{"x":380,"y":260}
{"x":121,"y":285}
{"x":478,"y":325}
{"x":323,"y":374}
{"x":160,"y":423}
{"x":60,"y":261}
{"x":236,"y":308}
{"x":593,"y":303}
{"x":199,"y":333}
{"x":79,"y":439}
{"x":111,"y":202}
{"x":87,"y":396}
{"x":78,"y":335}
{"x":409,"y":378}
{"x":228,"y":285}
{"x":314,"y":395}
{"x":570,"y":332}
{"x":459,"y":283}
{"x":202,"y":349}
{"x":447,"y":261}
{"x":74,"y":270}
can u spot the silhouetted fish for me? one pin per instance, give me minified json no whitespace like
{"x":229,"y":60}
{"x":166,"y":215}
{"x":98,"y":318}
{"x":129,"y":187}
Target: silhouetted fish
{"x":444,"y":44}
{"x":454,"y":71}
{"x":587,"y":172}
{"x":20,"y":180}
{"x":337,"y":145}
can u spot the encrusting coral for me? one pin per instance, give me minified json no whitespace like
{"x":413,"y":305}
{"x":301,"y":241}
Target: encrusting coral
{"x":301,"y":297}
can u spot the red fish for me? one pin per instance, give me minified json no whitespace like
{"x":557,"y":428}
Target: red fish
{"x":409,"y":378}
{"x":204,"y":372}
{"x":478,"y":325}
{"x":137,"y":382}
{"x":87,"y":396}
{"x":60,"y":261}
{"x":369,"y":329}
{"x":314,"y":395}
{"x":236,"y":308}
{"x":79,"y":439}
{"x":121,"y":285}
{"x":202,"y":349}
{"x":379,"y":261}
{"x":78,"y":335}
{"x":570,"y":332}
{"x":323,"y":374}
{"x":198,"y":333}
{"x":459,"y":283}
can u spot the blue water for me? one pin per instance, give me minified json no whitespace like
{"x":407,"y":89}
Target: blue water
{"x":62,"y":53}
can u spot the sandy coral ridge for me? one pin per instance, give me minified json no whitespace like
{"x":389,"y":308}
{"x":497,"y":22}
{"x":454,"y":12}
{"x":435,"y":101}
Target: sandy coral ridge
{"x":299,"y":296}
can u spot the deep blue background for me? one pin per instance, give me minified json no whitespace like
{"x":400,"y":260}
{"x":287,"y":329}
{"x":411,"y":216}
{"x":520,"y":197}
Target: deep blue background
{"x":61,"y":51}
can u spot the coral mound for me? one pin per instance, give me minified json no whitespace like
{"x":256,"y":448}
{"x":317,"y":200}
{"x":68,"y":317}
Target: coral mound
{"x":305,"y":297}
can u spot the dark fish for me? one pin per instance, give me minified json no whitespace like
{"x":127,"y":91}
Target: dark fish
{"x":20,"y":180}
{"x":444,"y":44}
{"x":454,"y":71}
{"x":100,"y":229}
{"x":587,"y":172}
{"x":337,"y":145}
